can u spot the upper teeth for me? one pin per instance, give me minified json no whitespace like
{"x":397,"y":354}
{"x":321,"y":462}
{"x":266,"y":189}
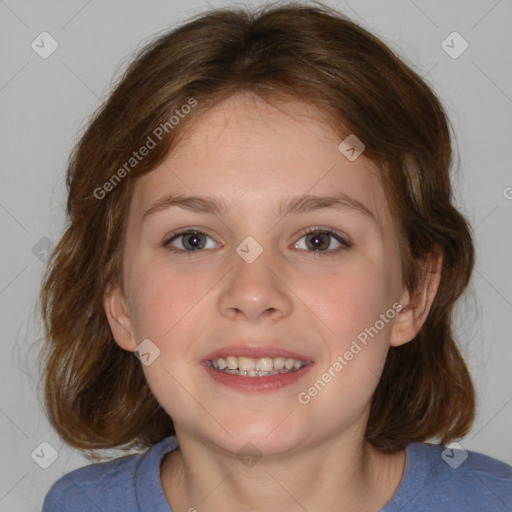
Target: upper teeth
{"x":265,"y":364}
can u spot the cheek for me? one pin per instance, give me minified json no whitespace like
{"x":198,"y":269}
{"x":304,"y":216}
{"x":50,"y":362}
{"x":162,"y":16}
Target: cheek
{"x":161,"y":299}
{"x":351,"y":299}
{"x":348,"y":374}
{"x":166,"y":309}
{"x":356,"y":305}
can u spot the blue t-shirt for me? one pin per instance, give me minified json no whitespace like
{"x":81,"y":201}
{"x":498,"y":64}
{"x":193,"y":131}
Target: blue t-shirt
{"x":435,"y":479}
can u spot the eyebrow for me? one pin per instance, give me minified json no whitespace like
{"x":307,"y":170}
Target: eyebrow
{"x":300,"y":204}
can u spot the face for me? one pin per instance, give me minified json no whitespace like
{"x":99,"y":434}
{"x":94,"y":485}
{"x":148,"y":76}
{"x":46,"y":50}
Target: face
{"x":259,"y":271}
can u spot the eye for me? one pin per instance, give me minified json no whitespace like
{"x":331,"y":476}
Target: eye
{"x":189,"y":241}
{"x":315,"y":240}
{"x":322,"y":240}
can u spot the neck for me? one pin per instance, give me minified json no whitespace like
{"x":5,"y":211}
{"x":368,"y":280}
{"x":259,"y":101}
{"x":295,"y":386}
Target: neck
{"x":337,"y":475}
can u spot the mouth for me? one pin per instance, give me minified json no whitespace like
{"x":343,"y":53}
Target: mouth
{"x":262,"y":367}
{"x":256,"y":368}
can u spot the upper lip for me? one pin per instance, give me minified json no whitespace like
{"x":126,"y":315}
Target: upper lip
{"x":255,"y":352}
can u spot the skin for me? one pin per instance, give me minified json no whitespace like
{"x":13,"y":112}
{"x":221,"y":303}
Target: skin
{"x":251,"y":156}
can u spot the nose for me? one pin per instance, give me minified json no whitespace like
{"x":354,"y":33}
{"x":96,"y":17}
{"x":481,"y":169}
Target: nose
{"x":255,"y":291}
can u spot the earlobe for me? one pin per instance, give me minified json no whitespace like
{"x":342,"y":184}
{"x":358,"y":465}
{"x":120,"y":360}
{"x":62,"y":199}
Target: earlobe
{"x":118,"y":317}
{"x":415,"y":308}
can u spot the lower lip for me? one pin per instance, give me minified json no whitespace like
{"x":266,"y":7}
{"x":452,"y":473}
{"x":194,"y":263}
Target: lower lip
{"x":254,"y":384}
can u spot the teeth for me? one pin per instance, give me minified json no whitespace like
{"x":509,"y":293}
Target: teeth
{"x":279,"y":363}
{"x":256,"y":367}
{"x":246,"y":364}
{"x":266,"y":364}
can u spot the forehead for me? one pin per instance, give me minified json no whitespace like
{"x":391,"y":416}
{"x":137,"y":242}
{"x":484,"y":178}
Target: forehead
{"x":245,"y":150}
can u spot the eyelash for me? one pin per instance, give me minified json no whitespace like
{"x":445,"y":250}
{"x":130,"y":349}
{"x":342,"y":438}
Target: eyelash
{"x":344,"y":244}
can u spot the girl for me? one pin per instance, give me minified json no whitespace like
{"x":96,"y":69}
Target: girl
{"x":257,"y":281}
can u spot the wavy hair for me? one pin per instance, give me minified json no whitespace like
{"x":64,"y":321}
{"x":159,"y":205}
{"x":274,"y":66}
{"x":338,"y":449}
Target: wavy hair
{"x":96,"y":395}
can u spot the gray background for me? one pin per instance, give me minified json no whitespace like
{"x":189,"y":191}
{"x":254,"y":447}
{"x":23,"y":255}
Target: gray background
{"x":45,"y":104}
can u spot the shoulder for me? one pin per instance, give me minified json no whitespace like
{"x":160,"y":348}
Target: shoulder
{"x":464,"y":465}
{"x":455,"y":479}
{"x":95,"y":485}
{"x":105,"y":486}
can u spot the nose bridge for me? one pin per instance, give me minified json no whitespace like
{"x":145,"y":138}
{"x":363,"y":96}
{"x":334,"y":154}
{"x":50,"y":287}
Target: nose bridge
{"x":252,"y":289}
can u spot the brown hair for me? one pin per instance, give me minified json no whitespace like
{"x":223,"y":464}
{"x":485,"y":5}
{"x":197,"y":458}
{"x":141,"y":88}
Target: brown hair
{"x":96,"y":394}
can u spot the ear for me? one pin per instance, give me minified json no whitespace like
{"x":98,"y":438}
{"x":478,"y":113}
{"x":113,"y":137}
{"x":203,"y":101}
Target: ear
{"x":119,"y":319}
{"x":415,"y":308}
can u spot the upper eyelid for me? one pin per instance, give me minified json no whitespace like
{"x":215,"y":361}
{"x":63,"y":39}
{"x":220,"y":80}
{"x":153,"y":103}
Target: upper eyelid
{"x":185,"y":231}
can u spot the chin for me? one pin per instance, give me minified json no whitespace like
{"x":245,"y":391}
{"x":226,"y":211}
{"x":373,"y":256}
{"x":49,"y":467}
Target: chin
{"x":259,"y":437}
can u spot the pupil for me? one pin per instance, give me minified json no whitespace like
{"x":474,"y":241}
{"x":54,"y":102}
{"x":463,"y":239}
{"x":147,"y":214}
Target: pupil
{"x":193,"y":241}
{"x":316,"y":240}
